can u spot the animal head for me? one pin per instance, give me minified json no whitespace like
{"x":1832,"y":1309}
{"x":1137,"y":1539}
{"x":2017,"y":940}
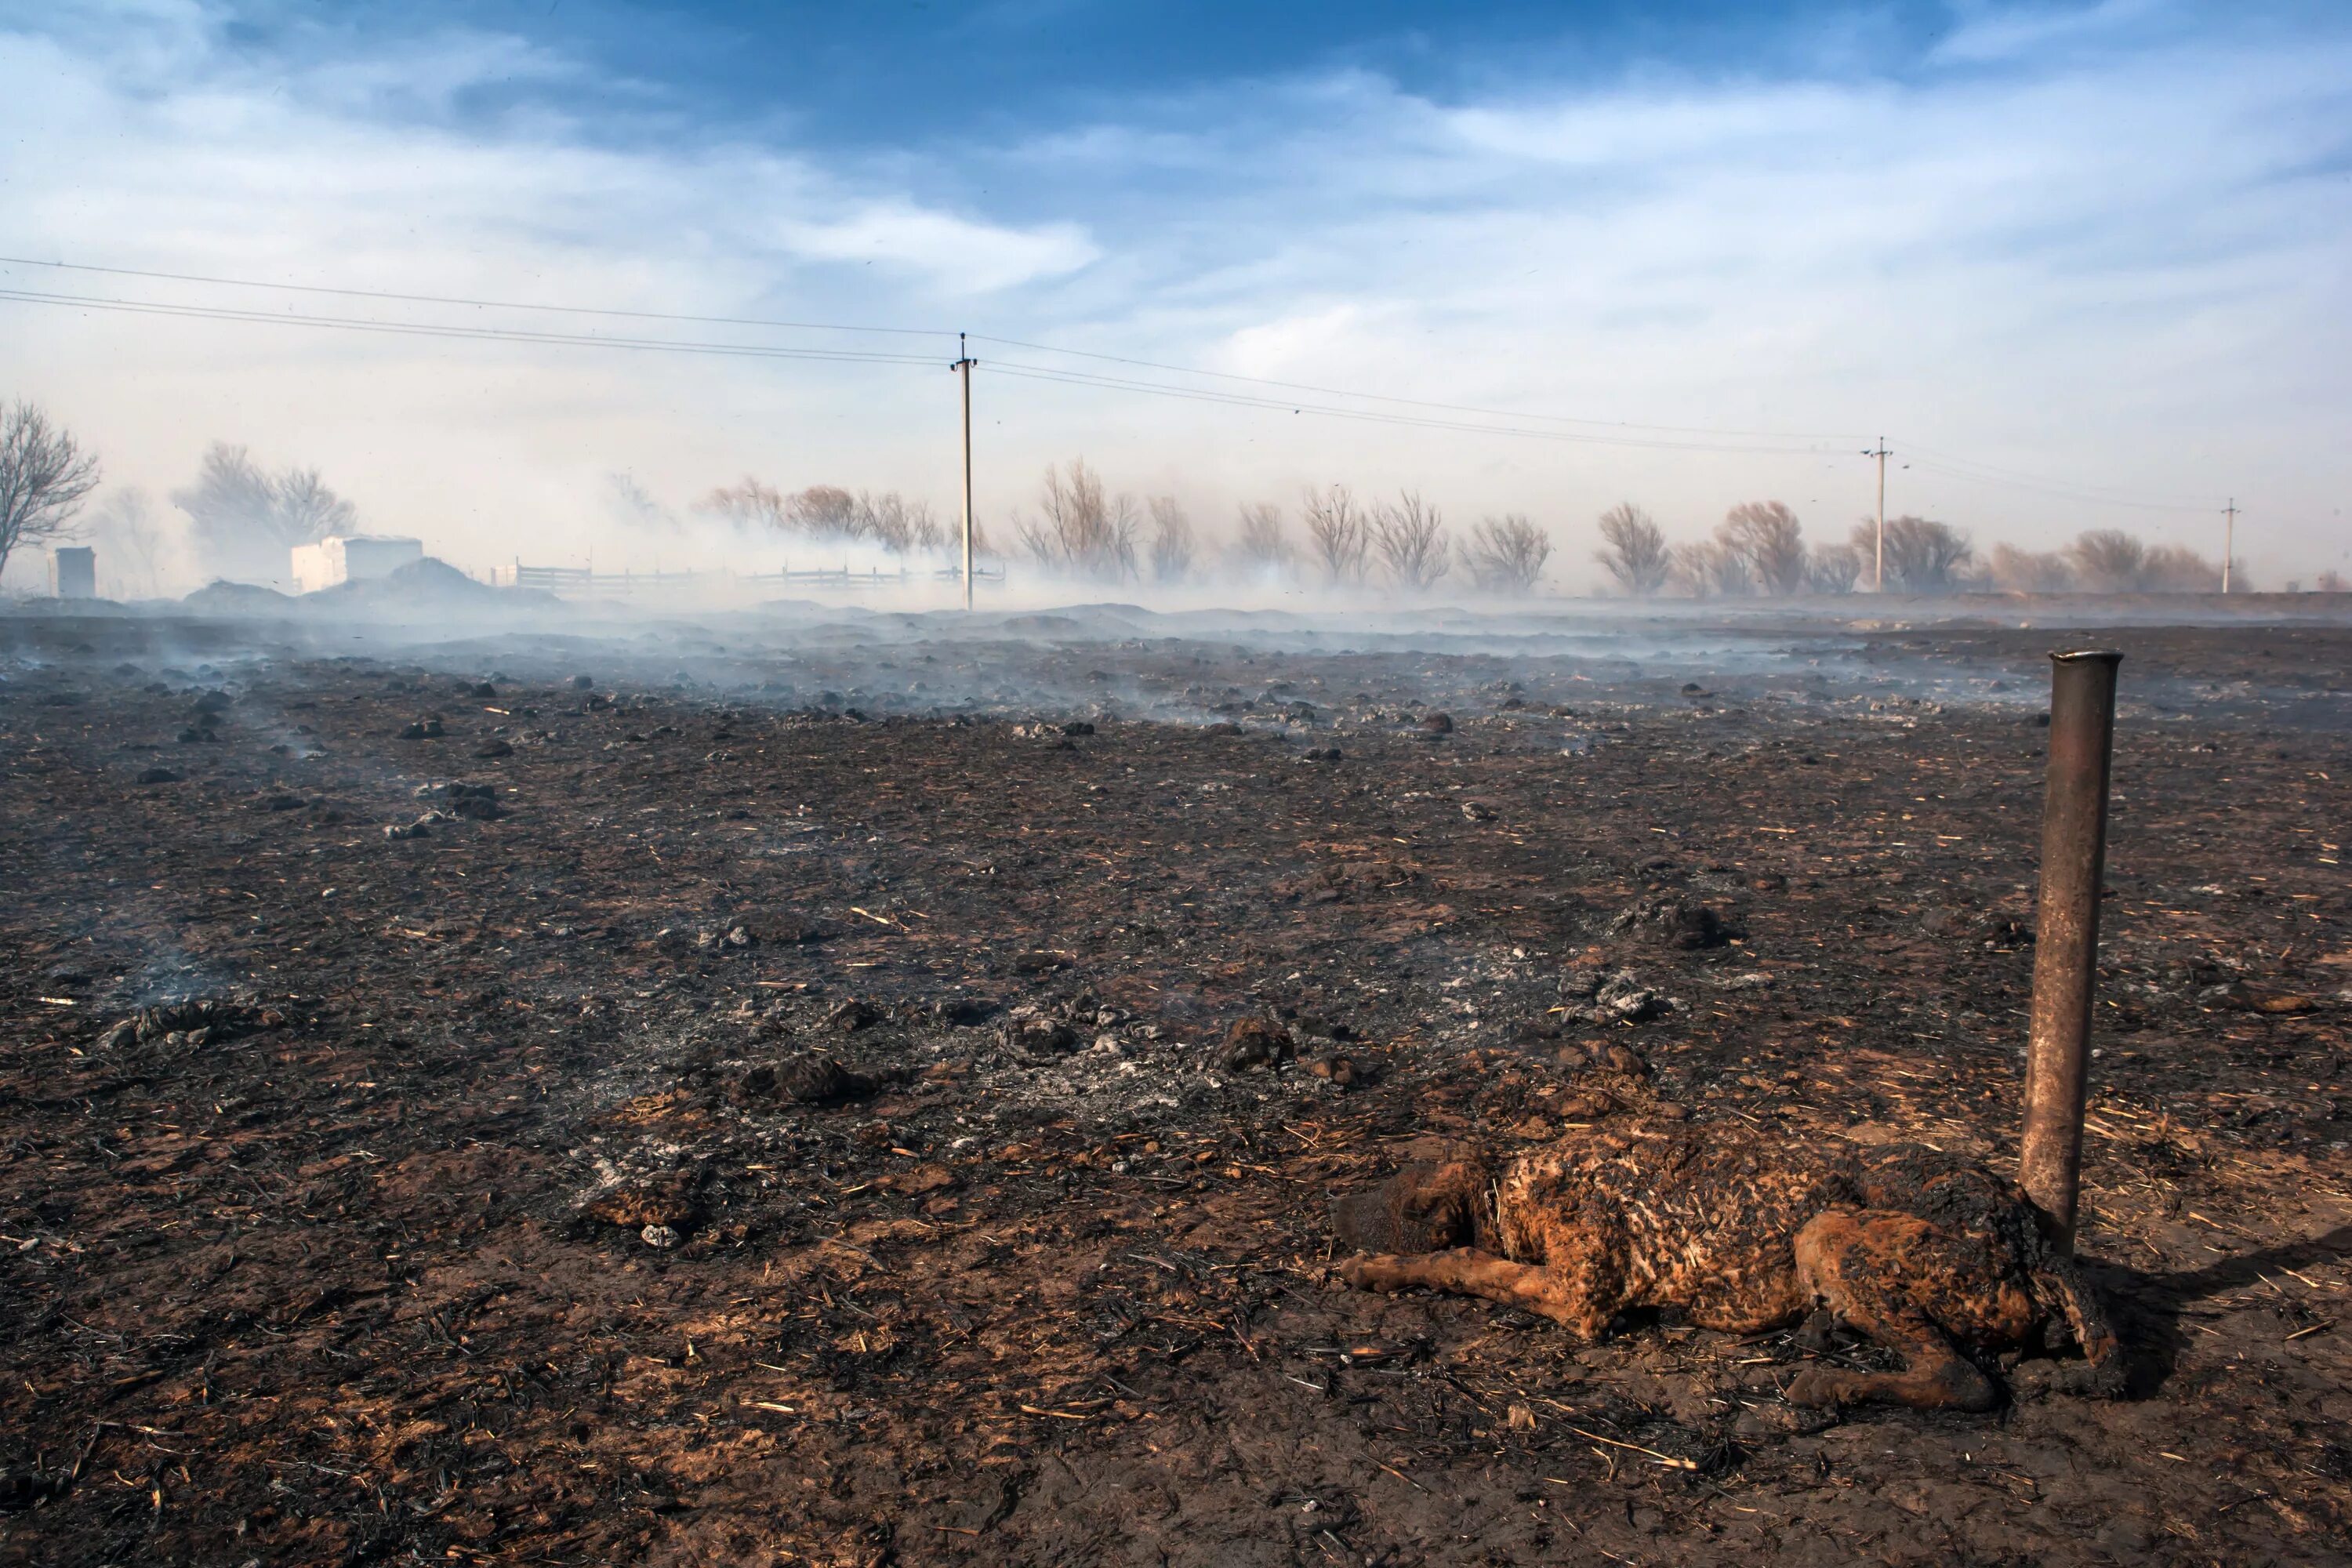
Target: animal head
{"x":1422,"y":1208}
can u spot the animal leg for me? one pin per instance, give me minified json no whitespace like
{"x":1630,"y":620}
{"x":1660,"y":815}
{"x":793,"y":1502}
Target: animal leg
{"x":2059,"y":1282}
{"x":1565,"y":1296}
{"x":1859,"y":1264}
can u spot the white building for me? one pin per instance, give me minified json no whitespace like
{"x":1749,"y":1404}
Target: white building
{"x":347,"y":558}
{"x":73,"y":572}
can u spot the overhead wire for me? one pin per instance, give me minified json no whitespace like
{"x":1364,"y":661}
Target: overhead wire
{"x":1242,"y":400}
{"x":1414,"y":402}
{"x":2085,"y":498}
{"x":432,"y":330}
{"x":475,"y":304}
{"x":1524,"y":423}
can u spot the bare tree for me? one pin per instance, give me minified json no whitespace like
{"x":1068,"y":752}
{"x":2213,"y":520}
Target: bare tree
{"x":1083,"y":530}
{"x":894,"y":522}
{"x":1340,"y":532}
{"x":633,"y":507}
{"x":307,"y":509}
{"x":1260,"y":541}
{"x":1637,"y":554}
{"x":824,"y":512}
{"x":245,"y":520}
{"x":1711,"y":570}
{"x":1506,"y":554}
{"x":2177,"y":569}
{"x":1922,"y":556}
{"x":1172,"y":546}
{"x":1767,"y":536}
{"x":2109,"y":560}
{"x":1410,"y":537}
{"x":752,"y":505}
{"x":2019,"y":571}
{"x":45,"y":476}
{"x":131,"y":546}
{"x":1834,"y":569}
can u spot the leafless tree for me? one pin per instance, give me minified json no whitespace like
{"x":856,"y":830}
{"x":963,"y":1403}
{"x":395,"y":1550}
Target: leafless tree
{"x":1340,"y":532}
{"x":1922,"y":556}
{"x":130,"y":543}
{"x":633,"y":507}
{"x":307,"y":509}
{"x":752,"y":505}
{"x":1834,"y":569}
{"x":2177,"y":569}
{"x":2019,"y":571}
{"x":1412,"y":540}
{"x":1711,"y":570}
{"x":894,"y":522}
{"x":1506,"y":554}
{"x":1767,"y":536}
{"x":2108,"y":560}
{"x":1083,"y":530}
{"x":45,"y":476}
{"x":824,"y":512}
{"x":1637,"y":554}
{"x":244,"y":519}
{"x":1260,"y":541}
{"x":1172,"y":545}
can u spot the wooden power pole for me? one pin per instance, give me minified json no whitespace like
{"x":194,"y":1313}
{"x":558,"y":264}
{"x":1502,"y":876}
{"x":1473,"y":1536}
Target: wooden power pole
{"x":962,"y":367}
{"x":1878,"y":569}
{"x":2229,"y":539}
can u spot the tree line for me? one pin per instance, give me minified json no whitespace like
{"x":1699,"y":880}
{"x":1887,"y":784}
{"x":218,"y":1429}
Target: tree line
{"x":1403,"y":543}
{"x":1759,"y":549}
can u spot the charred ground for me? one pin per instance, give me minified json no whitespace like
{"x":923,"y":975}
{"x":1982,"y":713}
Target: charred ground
{"x":510,"y":1204}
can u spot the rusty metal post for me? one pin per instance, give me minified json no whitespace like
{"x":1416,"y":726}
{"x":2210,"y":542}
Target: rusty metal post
{"x":2066,"y":930}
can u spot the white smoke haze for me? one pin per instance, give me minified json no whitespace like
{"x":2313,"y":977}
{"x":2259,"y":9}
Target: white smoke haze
{"x":2101,"y":254}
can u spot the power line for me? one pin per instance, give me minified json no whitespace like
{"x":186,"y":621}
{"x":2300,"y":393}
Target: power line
{"x":1410,"y":402}
{"x":1243,"y":400}
{"x":2058,"y":492}
{"x":460,"y":300}
{"x":480,"y":334}
{"x":1952,"y":466}
{"x":478,"y":304}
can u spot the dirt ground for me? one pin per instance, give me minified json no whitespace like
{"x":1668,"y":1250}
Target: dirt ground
{"x":508,"y":1208}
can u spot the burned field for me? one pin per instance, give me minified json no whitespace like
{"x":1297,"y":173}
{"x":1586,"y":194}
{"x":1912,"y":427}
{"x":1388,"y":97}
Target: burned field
{"x":883,"y":1104}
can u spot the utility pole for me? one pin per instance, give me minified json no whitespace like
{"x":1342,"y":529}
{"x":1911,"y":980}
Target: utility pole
{"x":962,"y":367}
{"x":1878,"y":570}
{"x":2229,"y":539}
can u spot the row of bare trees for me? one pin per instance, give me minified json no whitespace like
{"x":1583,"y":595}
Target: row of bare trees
{"x":1082,"y":529}
{"x":825,"y":512}
{"x":2107,"y":561}
{"x":1759,"y":549}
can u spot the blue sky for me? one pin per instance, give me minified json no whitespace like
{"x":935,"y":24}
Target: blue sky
{"x":2066,"y":256}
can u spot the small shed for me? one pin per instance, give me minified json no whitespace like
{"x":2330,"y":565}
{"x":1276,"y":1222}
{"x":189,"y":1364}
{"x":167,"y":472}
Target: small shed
{"x":350,"y":557}
{"x":73,"y":572}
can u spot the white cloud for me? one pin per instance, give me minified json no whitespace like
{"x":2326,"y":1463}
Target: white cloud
{"x":958,"y":256}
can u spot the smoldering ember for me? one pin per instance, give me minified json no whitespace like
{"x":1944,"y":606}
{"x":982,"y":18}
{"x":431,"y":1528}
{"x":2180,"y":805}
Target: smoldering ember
{"x":819,"y":1085}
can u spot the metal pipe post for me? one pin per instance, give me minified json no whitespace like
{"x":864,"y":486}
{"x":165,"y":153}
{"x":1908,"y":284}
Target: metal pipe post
{"x":2066,"y":930}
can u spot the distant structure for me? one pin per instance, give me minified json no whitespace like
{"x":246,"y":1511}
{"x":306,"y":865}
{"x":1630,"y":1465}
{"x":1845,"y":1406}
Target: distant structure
{"x":348,"y":558}
{"x":73,"y":572}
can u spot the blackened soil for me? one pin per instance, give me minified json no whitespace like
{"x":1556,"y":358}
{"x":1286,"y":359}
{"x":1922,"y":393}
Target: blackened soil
{"x":774,"y":1135}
